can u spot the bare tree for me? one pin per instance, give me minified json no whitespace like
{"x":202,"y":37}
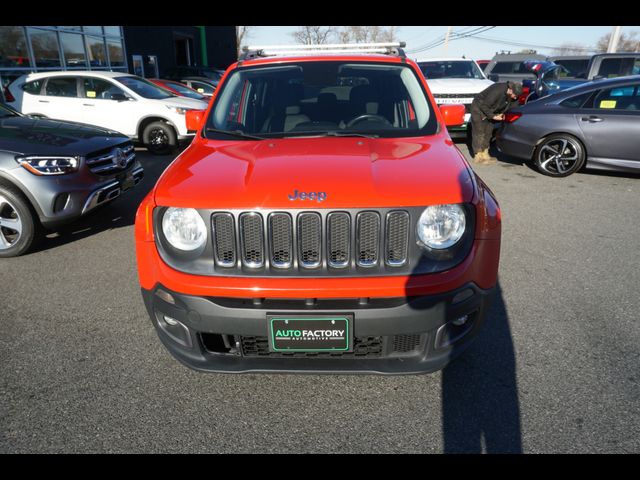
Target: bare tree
{"x":627,"y":42}
{"x":313,"y":35}
{"x":242,"y":34}
{"x":570,"y":48}
{"x":366,"y":34}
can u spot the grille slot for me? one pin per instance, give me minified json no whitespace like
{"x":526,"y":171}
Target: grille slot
{"x":339,"y":245}
{"x":280,"y":239}
{"x":252,"y":235}
{"x":397,"y":238}
{"x":224,"y":234}
{"x":310,"y":239}
{"x":368,"y":238}
{"x":406,"y":343}
{"x":363,"y":347}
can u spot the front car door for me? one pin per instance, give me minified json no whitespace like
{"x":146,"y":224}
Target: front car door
{"x":102,"y":110}
{"x":610,"y":121}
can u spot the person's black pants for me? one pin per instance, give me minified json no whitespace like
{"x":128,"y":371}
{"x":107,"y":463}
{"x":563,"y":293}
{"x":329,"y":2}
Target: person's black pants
{"x":481,"y":131}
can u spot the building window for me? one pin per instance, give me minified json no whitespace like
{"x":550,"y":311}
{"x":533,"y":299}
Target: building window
{"x":116,"y":52}
{"x":93,"y":30}
{"x":73,"y":50}
{"x":46,"y":50}
{"x":96,"y":51}
{"x":13,"y":47}
{"x":112,"y":31}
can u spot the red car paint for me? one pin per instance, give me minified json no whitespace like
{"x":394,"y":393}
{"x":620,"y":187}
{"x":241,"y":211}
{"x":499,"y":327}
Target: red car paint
{"x":374,"y":172}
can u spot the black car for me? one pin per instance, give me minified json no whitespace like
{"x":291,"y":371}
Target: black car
{"x":53,"y":172}
{"x":596,"y":125}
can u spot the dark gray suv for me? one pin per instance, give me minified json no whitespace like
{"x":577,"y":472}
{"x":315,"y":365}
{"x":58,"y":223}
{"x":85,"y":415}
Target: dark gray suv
{"x":53,"y":172}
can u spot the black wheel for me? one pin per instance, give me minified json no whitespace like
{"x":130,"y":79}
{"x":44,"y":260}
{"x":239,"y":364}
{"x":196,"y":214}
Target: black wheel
{"x":159,"y":138}
{"x":19,"y":227}
{"x":559,"y":155}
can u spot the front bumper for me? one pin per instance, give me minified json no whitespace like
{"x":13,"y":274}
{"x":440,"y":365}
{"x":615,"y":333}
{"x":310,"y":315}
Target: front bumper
{"x":404,"y":335}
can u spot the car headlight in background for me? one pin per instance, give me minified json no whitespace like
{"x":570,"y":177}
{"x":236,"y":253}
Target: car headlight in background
{"x":178,"y":110}
{"x":49,"y":165}
{"x":184,"y":228}
{"x":441,"y":226}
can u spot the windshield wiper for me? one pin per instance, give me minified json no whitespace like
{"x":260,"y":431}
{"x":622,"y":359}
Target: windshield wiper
{"x":333,"y":133}
{"x":235,"y":133}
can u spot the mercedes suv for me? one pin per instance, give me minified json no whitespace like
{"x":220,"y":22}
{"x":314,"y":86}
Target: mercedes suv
{"x":322,"y":220}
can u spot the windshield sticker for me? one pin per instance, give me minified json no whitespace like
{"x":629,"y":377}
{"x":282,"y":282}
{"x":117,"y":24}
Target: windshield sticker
{"x":91,"y":94}
{"x":608,"y":104}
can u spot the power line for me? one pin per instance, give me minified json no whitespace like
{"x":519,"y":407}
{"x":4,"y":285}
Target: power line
{"x":472,"y":32}
{"x":528,"y":45}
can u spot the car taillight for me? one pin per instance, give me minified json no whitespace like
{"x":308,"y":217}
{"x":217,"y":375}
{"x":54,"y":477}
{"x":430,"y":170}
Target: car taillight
{"x":511,"y":117}
{"x":522,"y":99}
{"x":7,"y":95}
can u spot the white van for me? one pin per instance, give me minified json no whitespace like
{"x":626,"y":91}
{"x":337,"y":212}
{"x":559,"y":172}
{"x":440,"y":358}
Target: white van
{"x":118,"y":101}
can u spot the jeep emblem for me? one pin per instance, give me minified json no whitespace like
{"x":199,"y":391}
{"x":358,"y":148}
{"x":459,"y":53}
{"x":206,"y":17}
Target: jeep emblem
{"x":313,"y":196}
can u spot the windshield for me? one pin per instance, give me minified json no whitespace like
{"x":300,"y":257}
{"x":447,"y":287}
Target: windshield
{"x":450,"y":69}
{"x":144,"y":88}
{"x":323,"y":98}
{"x":6,"y":112}
{"x":185,"y":91}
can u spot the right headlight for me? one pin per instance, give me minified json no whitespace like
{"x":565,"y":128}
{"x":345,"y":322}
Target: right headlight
{"x":184,"y":228}
{"x":441,"y":226}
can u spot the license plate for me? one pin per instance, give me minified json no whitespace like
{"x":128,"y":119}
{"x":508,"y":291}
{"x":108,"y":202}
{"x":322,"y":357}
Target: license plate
{"x":127,"y":182}
{"x":310,"y":333}
{"x":445,"y":101}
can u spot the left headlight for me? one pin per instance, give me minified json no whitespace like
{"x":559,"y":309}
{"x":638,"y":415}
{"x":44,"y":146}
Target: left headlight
{"x":49,"y":165}
{"x":441,"y":226}
{"x":178,"y":110}
{"x":184,"y":228}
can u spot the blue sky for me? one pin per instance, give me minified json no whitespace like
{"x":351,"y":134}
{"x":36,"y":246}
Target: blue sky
{"x":538,"y":37}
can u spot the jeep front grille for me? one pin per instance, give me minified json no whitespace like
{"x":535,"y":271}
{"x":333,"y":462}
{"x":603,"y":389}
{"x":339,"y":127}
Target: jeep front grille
{"x":309,"y":242}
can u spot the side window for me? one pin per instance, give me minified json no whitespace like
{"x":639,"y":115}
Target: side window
{"x":98,"y":88}
{"x":504,"y":67}
{"x":577,"y":101}
{"x":61,"y":87}
{"x":618,"y":67}
{"x":202,"y":88}
{"x":619,"y":98}
{"x":33,"y":88}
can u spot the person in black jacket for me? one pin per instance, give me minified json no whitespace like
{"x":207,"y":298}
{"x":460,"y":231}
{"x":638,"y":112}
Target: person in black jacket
{"x":489,"y":107}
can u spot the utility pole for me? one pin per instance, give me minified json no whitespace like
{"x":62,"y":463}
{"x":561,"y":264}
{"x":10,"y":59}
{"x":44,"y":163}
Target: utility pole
{"x":613,"y":41}
{"x":446,"y":39}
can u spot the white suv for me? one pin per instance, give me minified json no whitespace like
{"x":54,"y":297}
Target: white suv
{"x":118,"y":101}
{"x":454,"y":80}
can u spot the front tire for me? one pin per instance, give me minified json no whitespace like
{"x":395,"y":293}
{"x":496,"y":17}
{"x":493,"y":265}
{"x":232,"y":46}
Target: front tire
{"x":19,"y":227}
{"x":159,"y":138}
{"x":559,"y":155}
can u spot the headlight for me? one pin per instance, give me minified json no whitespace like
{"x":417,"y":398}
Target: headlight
{"x":178,"y":110}
{"x":49,"y":165}
{"x":184,"y":228}
{"x":441,"y":226}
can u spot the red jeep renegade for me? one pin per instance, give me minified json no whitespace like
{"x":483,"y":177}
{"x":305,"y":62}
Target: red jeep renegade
{"x":322,"y":220}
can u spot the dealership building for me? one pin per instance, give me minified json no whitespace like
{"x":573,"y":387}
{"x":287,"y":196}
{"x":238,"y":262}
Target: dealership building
{"x":144,"y":50}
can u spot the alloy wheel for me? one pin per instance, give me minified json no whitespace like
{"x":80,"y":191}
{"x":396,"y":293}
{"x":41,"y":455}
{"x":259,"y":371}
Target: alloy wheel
{"x":558,"y":156}
{"x":10,"y":224}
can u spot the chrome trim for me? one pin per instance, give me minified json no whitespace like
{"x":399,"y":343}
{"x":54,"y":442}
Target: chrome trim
{"x":299,"y":237}
{"x":270,"y":236}
{"x":329,"y":262}
{"x":242,"y":240}
{"x":92,"y":201}
{"x":387,"y":235}
{"x":357,"y":251}
{"x":217,"y":259}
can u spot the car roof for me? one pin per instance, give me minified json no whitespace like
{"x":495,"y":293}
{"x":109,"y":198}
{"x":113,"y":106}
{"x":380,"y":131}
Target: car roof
{"x":445,"y":59}
{"x":88,"y":73}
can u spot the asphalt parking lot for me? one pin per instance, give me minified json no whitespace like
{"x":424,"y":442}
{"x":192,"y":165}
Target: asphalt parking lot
{"x":556,"y":369}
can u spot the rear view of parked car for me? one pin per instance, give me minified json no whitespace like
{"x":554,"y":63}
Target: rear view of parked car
{"x":126,"y":103}
{"x":53,"y":172}
{"x":594,"y":125}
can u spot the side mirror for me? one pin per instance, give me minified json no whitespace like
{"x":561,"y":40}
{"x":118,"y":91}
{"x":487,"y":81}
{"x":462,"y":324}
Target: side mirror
{"x":453,"y":115}
{"x":494,"y":77}
{"x":119,"y":97}
{"x":194,"y":119}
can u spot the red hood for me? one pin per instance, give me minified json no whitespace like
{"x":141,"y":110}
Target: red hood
{"x":352,"y":172}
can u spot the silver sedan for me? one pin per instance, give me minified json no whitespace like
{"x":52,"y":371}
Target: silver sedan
{"x":595,"y":125}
